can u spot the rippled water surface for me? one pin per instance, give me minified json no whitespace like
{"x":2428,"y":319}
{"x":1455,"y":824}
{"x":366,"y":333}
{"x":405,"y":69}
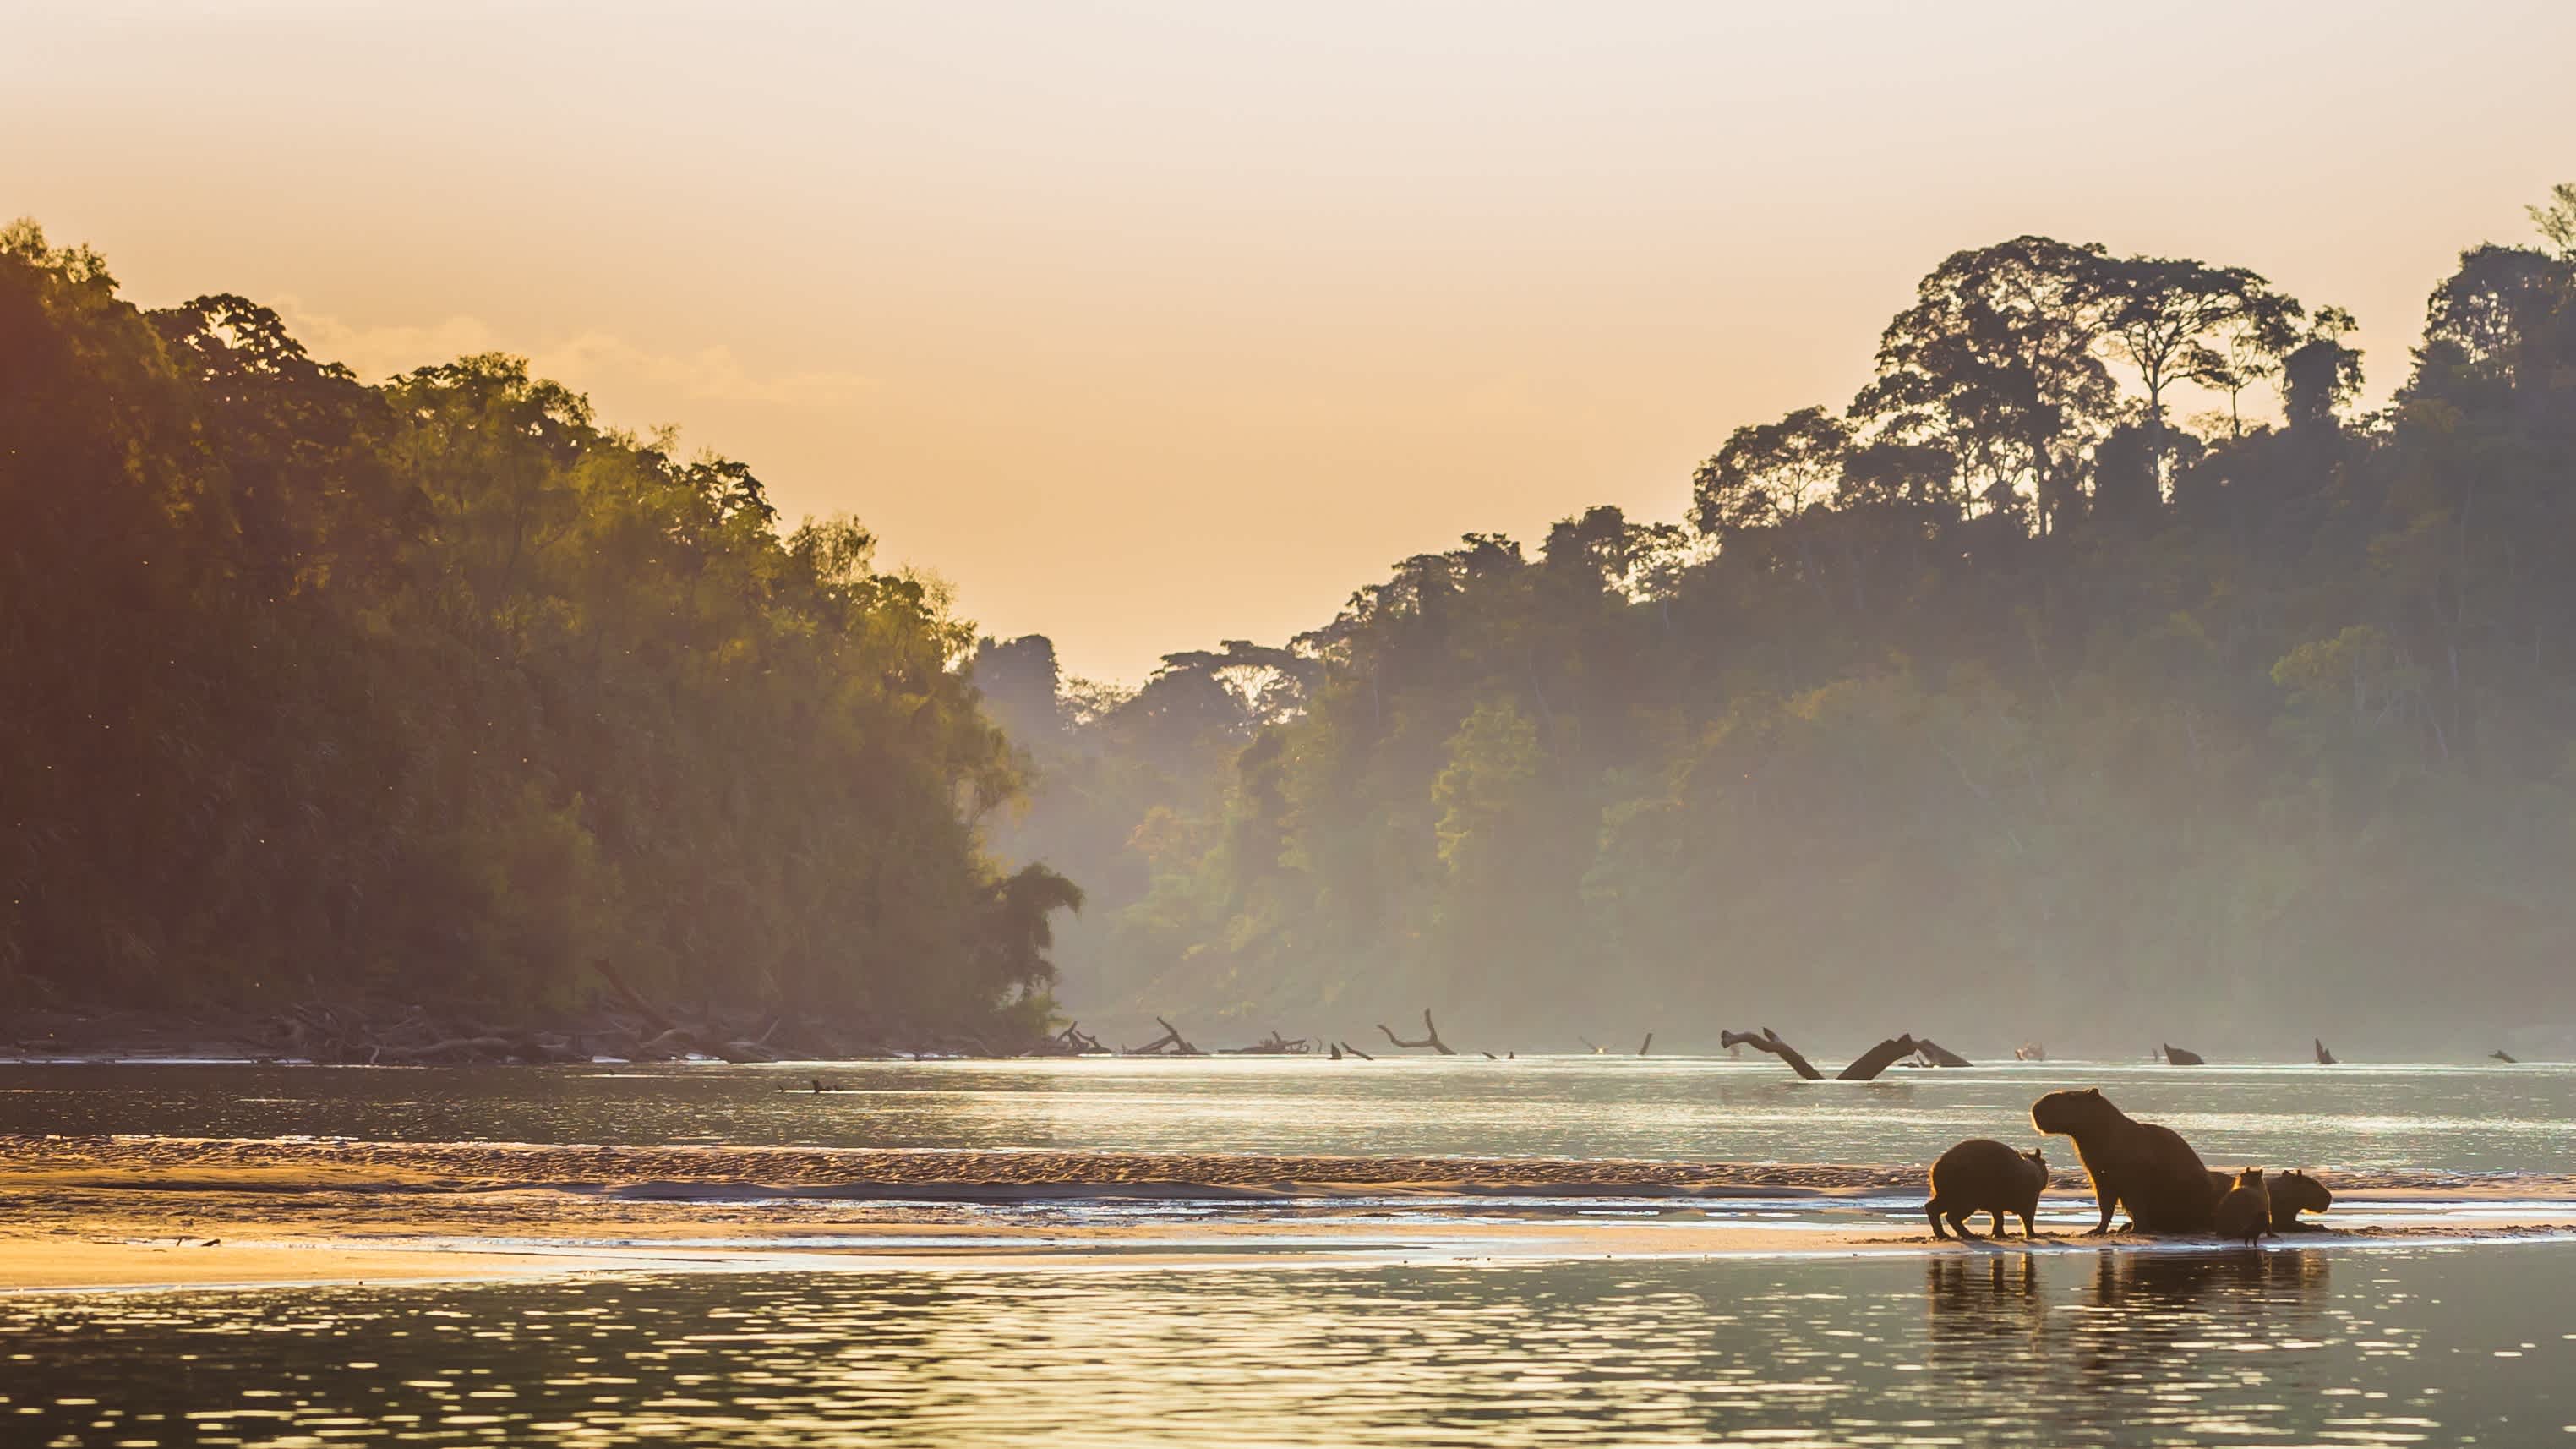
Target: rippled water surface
{"x":2465,"y":1117}
{"x":2457,"y":1346}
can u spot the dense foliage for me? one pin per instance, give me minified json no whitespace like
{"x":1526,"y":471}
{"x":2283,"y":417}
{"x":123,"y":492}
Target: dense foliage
{"x":438,"y":690}
{"x":2003,"y":702}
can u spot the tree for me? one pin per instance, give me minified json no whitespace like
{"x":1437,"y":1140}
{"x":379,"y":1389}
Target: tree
{"x":2320,"y":375}
{"x":1768,"y":473}
{"x":2168,"y":318}
{"x":1997,"y":364}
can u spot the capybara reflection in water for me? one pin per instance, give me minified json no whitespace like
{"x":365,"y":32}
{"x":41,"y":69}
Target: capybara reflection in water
{"x":1984,"y":1176}
{"x":2245,"y":1211}
{"x":2145,"y":1168}
{"x":2292,"y":1193}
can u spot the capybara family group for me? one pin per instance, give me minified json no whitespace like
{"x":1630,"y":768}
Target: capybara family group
{"x":2147,"y":1169}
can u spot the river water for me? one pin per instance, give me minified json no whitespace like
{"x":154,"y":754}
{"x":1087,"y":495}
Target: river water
{"x":2392,"y":1342}
{"x":2380,"y":1346}
{"x":2487,"y":1118}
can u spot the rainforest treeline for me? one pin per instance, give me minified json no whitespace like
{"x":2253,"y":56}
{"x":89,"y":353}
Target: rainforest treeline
{"x":2011,"y":699}
{"x":440,"y":691}
{"x":2098,"y":670}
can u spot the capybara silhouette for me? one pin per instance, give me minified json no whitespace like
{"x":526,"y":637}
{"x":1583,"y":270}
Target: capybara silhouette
{"x":2246,"y":1209}
{"x":2292,"y":1193}
{"x":1981,"y":1175}
{"x":2145,"y":1168}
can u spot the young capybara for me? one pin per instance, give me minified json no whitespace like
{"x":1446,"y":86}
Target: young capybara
{"x":1984,"y":1176}
{"x":2246,"y":1209}
{"x":2292,"y":1193}
{"x":2148,"y":1169}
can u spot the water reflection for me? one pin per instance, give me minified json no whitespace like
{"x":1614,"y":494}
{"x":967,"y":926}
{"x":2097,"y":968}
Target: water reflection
{"x":2349,"y":1116}
{"x":2114,"y":1349}
{"x":1989,"y":1296}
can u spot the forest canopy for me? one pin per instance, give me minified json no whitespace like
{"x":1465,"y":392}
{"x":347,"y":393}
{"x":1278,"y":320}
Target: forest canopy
{"x":439,"y":690}
{"x":2006,"y":700}
{"x":2095,"y":664}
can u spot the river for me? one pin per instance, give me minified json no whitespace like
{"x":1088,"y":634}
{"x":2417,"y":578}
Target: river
{"x":2486,"y":1118}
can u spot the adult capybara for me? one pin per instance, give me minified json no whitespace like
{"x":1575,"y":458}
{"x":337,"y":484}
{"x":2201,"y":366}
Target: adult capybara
{"x":2245,"y":1210}
{"x":1984,"y":1176}
{"x":2148,"y":1169}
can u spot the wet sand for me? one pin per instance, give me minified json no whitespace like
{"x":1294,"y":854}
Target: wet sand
{"x":106,"y":1212}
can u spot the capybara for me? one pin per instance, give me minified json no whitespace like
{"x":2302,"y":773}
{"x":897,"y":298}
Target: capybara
{"x":2246,"y":1209}
{"x":1981,"y":1175}
{"x":2148,"y":1169}
{"x":2292,"y":1193}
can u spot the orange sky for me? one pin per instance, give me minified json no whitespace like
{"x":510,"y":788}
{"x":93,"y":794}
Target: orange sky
{"x":1154,"y":324}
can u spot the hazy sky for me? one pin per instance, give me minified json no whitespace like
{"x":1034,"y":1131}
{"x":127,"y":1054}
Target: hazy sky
{"x":1152,"y":324}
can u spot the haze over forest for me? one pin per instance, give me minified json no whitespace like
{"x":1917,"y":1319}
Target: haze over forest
{"x":2006,"y":699}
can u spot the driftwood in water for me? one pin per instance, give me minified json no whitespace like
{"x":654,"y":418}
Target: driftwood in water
{"x":2182,"y":1056}
{"x":1170,"y":1043}
{"x":1766,"y":1040}
{"x":1430,"y":1036}
{"x":1877,"y":1059}
{"x":1589,"y":1044}
{"x":1336,"y":1054}
{"x":678,"y":1038}
{"x":2324,"y":1058}
{"x":2030,"y":1051}
{"x":324,"y":1032}
{"x":1489,"y":1056}
{"x":1647,"y":1045}
{"x":1349,"y":1050}
{"x":1073,"y":1041}
{"x":1939,"y":1055}
{"x":2501,"y":1056}
{"x":1864,"y":1068}
{"x":1273,"y":1045}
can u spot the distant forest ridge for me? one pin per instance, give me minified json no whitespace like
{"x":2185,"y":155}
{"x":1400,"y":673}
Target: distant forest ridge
{"x":2001,"y":703}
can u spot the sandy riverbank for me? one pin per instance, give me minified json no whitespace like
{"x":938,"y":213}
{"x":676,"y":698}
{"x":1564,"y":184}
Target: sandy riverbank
{"x":117,"y":1212}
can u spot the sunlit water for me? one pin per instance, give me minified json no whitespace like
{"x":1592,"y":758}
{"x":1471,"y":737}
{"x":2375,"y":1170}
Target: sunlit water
{"x":2448,"y":1347}
{"x":2484,"y":1118}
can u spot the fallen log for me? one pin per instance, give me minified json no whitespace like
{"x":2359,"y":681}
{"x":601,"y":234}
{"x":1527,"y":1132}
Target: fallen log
{"x":2182,"y":1056}
{"x":1767,"y":1040}
{"x":2324,"y":1058}
{"x":1939,"y":1055}
{"x":1647,"y":1045}
{"x":2501,"y":1056}
{"x":1270,"y":1046}
{"x":1430,"y":1036}
{"x":1349,"y":1050}
{"x":654,"y":1016}
{"x":1170,"y":1043}
{"x":679,"y":1038}
{"x":1877,"y":1059}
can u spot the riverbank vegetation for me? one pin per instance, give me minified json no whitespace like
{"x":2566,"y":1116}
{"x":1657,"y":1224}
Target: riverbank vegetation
{"x":2007,"y":699}
{"x":2098,"y":664}
{"x":439,"y":691}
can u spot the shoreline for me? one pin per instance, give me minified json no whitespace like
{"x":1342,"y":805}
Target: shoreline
{"x":109,"y":1213}
{"x":292,"y":1165}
